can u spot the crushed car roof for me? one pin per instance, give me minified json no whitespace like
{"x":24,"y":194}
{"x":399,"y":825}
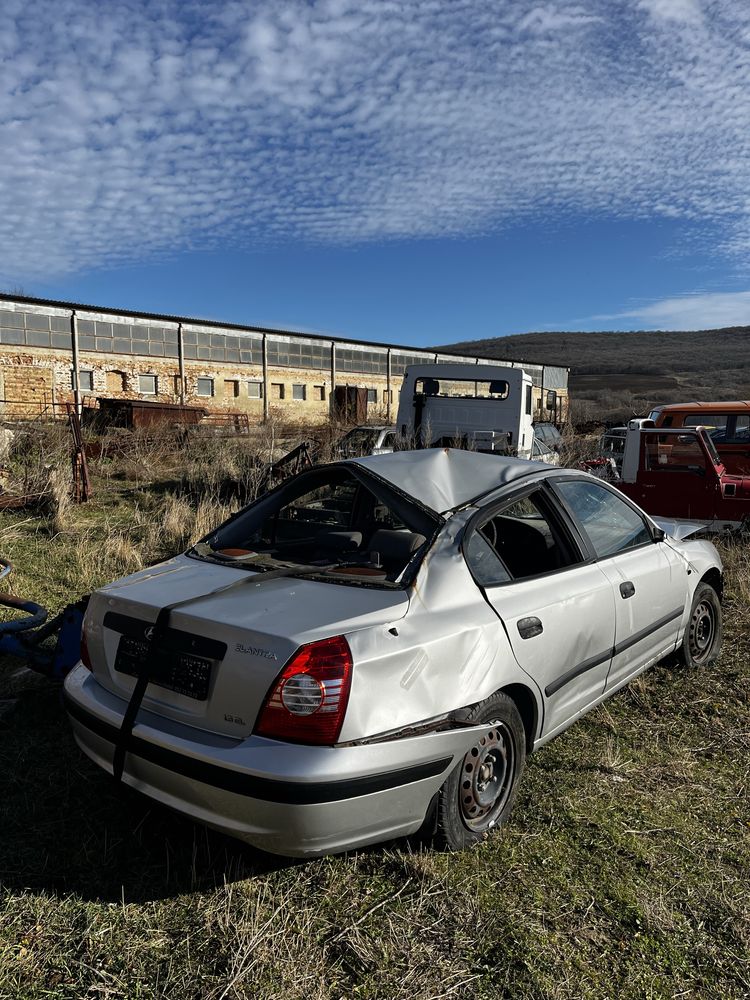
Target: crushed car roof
{"x":445,"y":478}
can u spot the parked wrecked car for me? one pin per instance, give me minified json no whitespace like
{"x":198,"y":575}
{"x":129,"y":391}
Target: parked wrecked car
{"x":727,"y":423}
{"x":549,"y":435}
{"x":375,"y":646}
{"x":612,"y":446}
{"x":540,"y":452}
{"x":678,"y":473}
{"x":371,"y":439}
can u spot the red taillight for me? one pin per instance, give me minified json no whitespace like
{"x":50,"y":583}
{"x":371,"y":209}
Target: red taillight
{"x":308,"y":700}
{"x":85,"y":657}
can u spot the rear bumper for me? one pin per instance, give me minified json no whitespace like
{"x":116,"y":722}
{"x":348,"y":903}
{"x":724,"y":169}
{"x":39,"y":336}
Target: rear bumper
{"x":283,"y":798}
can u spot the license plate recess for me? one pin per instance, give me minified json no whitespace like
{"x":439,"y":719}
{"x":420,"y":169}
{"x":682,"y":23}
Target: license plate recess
{"x":182,"y":673}
{"x":182,"y":662}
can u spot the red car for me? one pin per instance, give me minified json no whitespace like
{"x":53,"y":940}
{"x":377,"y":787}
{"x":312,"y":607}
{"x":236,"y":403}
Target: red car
{"x":677,"y":473}
{"x":727,"y":423}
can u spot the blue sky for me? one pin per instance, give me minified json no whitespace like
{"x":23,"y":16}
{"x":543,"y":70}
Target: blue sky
{"x":417,"y":172}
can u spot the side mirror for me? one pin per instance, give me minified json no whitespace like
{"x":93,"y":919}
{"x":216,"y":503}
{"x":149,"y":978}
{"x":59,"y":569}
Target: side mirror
{"x":659,"y":534}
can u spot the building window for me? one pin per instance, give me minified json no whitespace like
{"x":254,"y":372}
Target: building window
{"x":320,"y":392}
{"x":204,"y":387}
{"x":372,"y":395}
{"x":85,"y":378}
{"x":147,"y":385}
{"x":277,"y":388}
{"x":231,"y":388}
{"x":299,"y":392}
{"x":255,"y":390}
{"x":176,"y":382}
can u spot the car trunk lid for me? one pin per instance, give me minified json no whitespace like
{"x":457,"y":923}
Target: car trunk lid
{"x":228,"y":639}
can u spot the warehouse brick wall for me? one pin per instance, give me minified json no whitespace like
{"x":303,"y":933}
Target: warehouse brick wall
{"x":132,"y":356}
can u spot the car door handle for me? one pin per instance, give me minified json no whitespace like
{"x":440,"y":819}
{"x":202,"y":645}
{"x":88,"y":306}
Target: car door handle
{"x":529,"y":627}
{"x":627,"y":589}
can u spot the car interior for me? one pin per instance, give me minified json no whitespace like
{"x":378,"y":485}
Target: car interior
{"x":518,"y":541}
{"x":334,"y":519}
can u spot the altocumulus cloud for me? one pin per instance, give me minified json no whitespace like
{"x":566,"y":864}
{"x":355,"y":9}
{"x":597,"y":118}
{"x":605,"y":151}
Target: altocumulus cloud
{"x":137,"y":129}
{"x":701,"y":310}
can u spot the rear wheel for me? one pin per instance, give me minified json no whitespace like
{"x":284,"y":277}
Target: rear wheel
{"x":702,"y":641}
{"x":478,"y":795}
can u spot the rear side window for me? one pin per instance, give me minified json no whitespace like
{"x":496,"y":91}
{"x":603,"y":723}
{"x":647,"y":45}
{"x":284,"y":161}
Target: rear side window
{"x":520,"y":540}
{"x":608,"y":522}
{"x":715,"y":423}
{"x":724,"y":428}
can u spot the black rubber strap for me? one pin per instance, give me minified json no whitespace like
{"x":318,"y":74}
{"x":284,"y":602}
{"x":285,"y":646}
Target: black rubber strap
{"x":128,"y":721}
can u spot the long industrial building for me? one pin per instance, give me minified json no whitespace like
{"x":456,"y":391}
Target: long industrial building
{"x":50,"y":348}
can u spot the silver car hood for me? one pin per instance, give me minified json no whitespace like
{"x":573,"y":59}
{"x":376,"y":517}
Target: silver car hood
{"x":261,"y":622}
{"x":679,"y":529}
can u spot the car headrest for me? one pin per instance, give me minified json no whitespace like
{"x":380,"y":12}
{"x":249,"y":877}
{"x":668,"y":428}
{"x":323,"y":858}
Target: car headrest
{"x":339,"y":541}
{"x":395,"y":546}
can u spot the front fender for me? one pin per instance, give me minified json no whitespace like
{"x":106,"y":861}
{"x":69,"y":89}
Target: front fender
{"x":702,"y":558}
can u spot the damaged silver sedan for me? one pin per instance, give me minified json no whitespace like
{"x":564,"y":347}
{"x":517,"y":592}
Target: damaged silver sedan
{"x":374,"y":647}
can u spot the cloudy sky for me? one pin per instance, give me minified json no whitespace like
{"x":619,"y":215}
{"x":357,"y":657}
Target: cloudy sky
{"x":411,"y":170}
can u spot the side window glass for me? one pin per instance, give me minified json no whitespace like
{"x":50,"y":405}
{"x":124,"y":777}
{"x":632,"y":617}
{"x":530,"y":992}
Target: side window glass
{"x":485,"y":564}
{"x":715,"y":423}
{"x":610,"y":524}
{"x":517,"y":541}
{"x":673,"y":453}
{"x":740,"y":433}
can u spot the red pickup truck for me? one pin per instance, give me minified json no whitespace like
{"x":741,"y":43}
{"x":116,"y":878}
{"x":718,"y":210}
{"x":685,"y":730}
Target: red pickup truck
{"x":727,"y":423}
{"x":677,"y":473}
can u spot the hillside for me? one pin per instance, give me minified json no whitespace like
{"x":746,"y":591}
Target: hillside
{"x":623,"y":373}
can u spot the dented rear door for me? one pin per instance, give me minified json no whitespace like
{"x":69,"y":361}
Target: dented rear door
{"x":561,"y":627}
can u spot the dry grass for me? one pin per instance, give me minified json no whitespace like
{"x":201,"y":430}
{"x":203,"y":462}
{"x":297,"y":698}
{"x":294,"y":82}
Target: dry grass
{"x":58,"y":500}
{"x":577,"y":448}
{"x":38,"y":465}
{"x":181,"y":523}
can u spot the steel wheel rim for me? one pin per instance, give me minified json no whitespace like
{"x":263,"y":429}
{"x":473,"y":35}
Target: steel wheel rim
{"x":702,"y":631}
{"x":487,"y":778}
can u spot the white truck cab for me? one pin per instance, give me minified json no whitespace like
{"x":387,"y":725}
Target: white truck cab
{"x":486,"y":407}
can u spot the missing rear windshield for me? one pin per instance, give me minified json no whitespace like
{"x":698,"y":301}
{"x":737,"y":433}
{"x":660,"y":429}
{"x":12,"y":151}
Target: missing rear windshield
{"x":338,"y":523}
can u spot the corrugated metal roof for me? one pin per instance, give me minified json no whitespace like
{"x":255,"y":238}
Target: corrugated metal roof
{"x":214,"y":324}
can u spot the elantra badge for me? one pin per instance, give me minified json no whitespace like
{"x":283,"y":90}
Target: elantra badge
{"x":265,"y":654}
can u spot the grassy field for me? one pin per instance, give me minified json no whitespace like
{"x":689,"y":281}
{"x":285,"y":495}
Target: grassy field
{"x":623,"y":873}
